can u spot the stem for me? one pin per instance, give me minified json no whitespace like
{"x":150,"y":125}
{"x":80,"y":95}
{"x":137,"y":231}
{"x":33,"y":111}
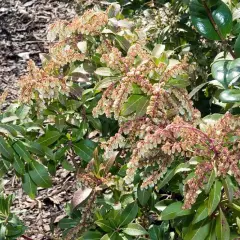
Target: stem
{"x":217,"y":29}
{"x":25,"y":237}
{"x":205,"y":136}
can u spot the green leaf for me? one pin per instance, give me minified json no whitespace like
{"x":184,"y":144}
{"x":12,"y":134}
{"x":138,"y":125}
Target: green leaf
{"x":66,"y":223}
{"x":112,"y":236}
{"x":196,"y":89}
{"x":143,"y":195}
{"x":3,"y":231}
{"x":84,"y":149}
{"x":212,"y":232}
{"x":5,"y":149}
{"x":226,"y":72}
{"x":123,"y":42}
{"x":174,"y":210}
{"x":198,"y":231}
{"x":229,"y":188}
{"x":68,"y":166}
{"x":128,"y":214}
{"x":134,"y":229}
{"x":18,"y":165}
{"x":73,"y":105}
{"x":154,"y":232}
{"x":3,"y":168}
{"x":35,"y":148}
{"x":29,"y":186}
{"x":135,"y":103}
{"x":105,"y":225}
{"x":104,"y":71}
{"x":22,"y":151}
{"x":39,"y":175}
{"x":158,"y":50}
{"x":49,"y":138}
{"x":8,"y":130}
{"x":15,"y":230}
{"x":237,"y":46}
{"x":222,"y":227}
{"x":210,"y":182}
{"x":92,"y":235}
{"x":214,"y":197}
{"x":221,"y":15}
{"x":106,"y":82}
{"x":230,"y":96}
{"x":170,"y":174}
{"x":9,"y":119}
{"x":95,"y":122}
{"x":202,"y":213}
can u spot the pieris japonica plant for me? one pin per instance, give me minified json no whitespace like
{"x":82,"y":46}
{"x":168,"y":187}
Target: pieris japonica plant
{"x":113,"y":106}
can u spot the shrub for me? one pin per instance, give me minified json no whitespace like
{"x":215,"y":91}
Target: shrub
{"x":113,"y":105}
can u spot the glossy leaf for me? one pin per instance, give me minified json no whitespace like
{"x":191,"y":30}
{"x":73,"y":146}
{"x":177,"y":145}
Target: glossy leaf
{"x":106,"y":82}
{"x":158,"y":50}
{"x":123,"y":42}
{"x":202,"y":213}
{"x":237,"y":46}
{"x":221,"y":15}
{"x":212,"y":231}
{"x":29,"y":186}
{"x":39,"y":175}
{"x":92,"y":235}
{"x":3,"y":168}
{"x":66,"y":223}
{"x":8,"y":130}
{"x":198,"y":231}
{"x":214,"y":197}
{"x":84,"y":149}
{"x":230,"y":96}
{"x":210,"y":182}
{"x":5,"y":149}
{"x":222,"y":227}
{"x":228,"y":188}
{"x":174,"y":210}
{"x":134,"y":229}
{"x":18,"y":165}
{"x":105,"y":225}
{"x":135,"y":104}
{"x":22,"y":151}
{"x":143,"y":195}
{"x":104,"y":71}
{"x":35,"y":148}
{"x":170,"y":174}
{"x":49,"y":138}
{"x":226,"y":71}
{"x":128,"y":214}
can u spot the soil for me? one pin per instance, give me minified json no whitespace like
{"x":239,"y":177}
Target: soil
{"x":23,"y":25}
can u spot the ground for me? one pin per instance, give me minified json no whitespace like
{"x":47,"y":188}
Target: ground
{"x":23,"y":26}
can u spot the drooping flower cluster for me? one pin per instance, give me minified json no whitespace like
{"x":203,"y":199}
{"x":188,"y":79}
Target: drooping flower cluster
{"x":90,"y":23}
{"x":217,"y":147}
{"x":164,"y":102}
{"x":40,"y":86}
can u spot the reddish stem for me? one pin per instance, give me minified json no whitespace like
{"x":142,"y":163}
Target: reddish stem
{"x":212,"y":146}
{"x":25,"y":237}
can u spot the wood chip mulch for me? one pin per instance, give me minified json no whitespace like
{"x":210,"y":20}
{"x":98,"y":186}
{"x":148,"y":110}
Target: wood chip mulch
{"x":23,"y":25}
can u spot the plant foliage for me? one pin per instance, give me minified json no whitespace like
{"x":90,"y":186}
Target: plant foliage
{"x":112,"y":102}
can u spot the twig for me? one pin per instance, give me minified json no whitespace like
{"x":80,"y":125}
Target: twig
{"x":217,"y":29}
{"x":25,"y":237}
